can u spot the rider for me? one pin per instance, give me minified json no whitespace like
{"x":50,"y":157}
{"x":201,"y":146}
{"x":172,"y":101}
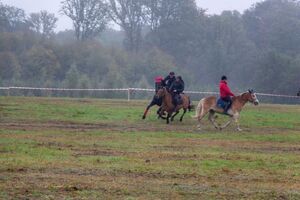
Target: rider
{"x":167,"y":82}
{"x":176,"y":89}
{"x":225,"y":93}
{"x":158,"y":83}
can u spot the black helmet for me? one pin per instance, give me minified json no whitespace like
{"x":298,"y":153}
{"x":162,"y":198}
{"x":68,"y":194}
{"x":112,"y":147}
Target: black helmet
{"x":179,"y":77}
{"x":224,"y":78}
{"x":172,"y":73}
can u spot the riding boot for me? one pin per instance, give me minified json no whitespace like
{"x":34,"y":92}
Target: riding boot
{"x":227,"y":107}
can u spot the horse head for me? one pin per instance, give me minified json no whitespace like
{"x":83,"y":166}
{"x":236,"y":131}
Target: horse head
{"x":161,"y":92}
{"x":251,"y":97}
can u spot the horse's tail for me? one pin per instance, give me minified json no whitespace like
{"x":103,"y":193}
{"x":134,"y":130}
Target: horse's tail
{"x":198,"y":109}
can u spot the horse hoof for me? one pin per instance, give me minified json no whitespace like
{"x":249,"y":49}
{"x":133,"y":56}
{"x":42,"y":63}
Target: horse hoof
{"x":239,"y":130}
{"x":144,"y":117}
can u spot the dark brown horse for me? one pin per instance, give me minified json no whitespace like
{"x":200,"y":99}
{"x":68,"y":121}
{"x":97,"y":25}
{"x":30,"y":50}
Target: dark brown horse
{"x":209,"y":105}
{"x":168,"y":106}
{"x":154,"y":101}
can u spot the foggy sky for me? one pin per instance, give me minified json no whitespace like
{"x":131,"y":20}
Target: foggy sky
{"x":53,"y":6}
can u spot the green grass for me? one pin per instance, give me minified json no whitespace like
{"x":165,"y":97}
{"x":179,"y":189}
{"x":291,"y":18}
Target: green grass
{"x":53,"y":148}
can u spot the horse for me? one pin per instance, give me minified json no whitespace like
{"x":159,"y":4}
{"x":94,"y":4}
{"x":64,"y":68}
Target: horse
{"x":209,"y":105}
{"x":168,"y":106}
{"x":155,"y":101}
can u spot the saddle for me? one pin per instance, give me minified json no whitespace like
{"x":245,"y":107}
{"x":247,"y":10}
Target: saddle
{"x":225,"y":105}
{"x":177,"y":99}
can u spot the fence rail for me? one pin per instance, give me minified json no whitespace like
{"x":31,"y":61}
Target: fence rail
{"x":130,"y":91}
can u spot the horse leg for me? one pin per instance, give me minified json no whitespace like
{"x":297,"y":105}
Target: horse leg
{"x":161,"y":111}
{"x":145,"y":113}
{"x":158,"y":113}
{"x":147,"y":109}
{"x":227,"y":124}
{"x":168,"y":117}
{"x":236,"y":119}
{"x":211,"y":118}
{"x":200,"y":117}
{"x":184,"y":111}
{"x":176,"y":113}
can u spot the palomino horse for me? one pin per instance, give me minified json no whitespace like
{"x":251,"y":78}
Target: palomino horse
{"x":209,"y":105}
{"x":168,"y":106}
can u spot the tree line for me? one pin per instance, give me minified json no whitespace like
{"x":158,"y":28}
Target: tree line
{"x":258,"y":49}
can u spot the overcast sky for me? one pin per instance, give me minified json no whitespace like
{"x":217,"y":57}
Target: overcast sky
{"x":53,"y":6}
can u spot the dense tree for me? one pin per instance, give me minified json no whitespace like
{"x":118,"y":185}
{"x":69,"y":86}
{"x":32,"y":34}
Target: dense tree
{"x":89,"y":16}
{"x":182,"y":34}
{"x":9,"y":66}
{"x":274,"y":24}
{"x":43,"y":23}
{"x":12,"y":18}
{"x":159,"y":11}
{"x":39,"y":64}
{"x":72,"y":77}
{"x":129,"y":14}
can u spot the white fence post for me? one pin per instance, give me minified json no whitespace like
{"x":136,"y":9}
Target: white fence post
{"x":128,"y":94}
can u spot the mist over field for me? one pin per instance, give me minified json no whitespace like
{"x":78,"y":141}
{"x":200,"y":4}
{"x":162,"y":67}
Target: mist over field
{"x":86,"y":129}
{"x":111,"y":48}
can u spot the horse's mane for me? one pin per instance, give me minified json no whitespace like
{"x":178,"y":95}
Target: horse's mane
{"x":239,"y":96}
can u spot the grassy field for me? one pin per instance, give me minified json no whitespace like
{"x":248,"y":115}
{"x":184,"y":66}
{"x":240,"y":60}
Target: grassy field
{"x":101,"y":149}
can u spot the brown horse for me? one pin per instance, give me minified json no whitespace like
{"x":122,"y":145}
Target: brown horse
{"x":209,"y":105}
{"x":167,"y":105}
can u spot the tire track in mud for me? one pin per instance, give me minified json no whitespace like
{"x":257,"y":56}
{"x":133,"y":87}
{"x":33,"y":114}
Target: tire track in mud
{"x":110,"y":126}
{"x":51,"y":125}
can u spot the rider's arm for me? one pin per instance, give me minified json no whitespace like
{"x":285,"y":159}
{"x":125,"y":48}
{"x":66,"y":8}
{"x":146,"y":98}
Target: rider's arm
{"x":172,"y":87}
{"x":165,"y":80}
{"x":230,"y":93}
{"x":227,"y":90}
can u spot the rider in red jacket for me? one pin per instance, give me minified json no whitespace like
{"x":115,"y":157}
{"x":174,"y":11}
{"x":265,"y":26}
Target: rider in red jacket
{"x":225,"y":92}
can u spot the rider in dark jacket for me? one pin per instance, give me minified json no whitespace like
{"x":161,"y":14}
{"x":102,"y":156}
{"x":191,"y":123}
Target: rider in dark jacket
{"x":176,"y":89}
{"x":167,"y":82}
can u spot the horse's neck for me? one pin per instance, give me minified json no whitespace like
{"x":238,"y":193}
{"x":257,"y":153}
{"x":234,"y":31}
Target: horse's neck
{"x":239,"y":100}
{"x":168,"y":99}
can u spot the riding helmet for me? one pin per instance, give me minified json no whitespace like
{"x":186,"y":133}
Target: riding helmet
{"x":224,"y":78}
